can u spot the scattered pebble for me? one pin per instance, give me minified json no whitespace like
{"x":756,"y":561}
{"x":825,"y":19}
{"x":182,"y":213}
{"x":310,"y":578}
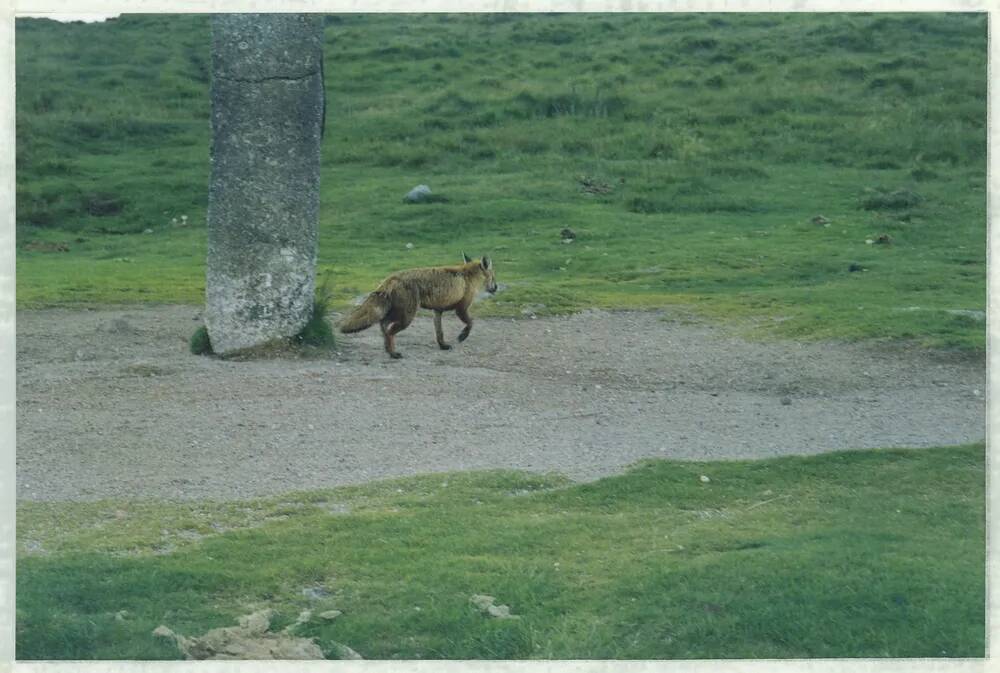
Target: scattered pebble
{"x":315,"y":593}
{"x":486,"y":604}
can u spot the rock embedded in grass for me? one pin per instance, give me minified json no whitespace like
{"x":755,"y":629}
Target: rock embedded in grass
{"x":345,"y":653}
{"x":315,"y":593}
{"x":252,"y":639}
{"x":481,"y":601}
{"x":418,"y":194}
{"x":486,"y":604}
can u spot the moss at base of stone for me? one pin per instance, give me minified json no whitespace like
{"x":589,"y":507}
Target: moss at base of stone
{"x":317,"y":332}
{"x":200,"y":343}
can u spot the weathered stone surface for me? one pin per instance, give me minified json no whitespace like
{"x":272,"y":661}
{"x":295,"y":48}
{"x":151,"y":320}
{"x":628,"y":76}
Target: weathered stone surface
{"x":252,"y":639}
{"x":267,"y":117}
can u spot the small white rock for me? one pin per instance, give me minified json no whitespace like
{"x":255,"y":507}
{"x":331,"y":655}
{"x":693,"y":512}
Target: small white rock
{"x":345,"y":652}
{"x":704,"y":479}
{"x":409,"y":246}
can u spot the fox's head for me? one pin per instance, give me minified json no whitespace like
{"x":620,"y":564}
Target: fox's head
{"x":486,"y":267}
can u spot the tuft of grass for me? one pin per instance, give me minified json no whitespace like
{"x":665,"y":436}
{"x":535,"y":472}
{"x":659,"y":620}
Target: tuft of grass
{"x":318,"y":333}
{"x":757,"y":561}
{"x":898,"y":199}
{"x":200,"y":344}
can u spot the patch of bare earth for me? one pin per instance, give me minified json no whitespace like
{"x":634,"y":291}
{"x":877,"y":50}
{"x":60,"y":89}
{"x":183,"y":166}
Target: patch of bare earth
{"x":110,"y":403}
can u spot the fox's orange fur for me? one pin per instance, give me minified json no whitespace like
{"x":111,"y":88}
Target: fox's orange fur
{"x":394,"y":302}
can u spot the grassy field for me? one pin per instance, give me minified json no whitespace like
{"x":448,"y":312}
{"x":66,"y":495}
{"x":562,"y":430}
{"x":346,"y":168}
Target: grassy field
{"x":689,"y":153}
{"x":854,"y":554}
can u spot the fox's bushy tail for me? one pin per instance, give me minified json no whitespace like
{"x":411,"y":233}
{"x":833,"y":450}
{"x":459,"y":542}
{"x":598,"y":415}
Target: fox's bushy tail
{"x":372,"y":309}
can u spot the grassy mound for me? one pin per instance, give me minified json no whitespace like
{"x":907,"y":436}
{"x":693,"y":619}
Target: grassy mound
{"x":853,"y":554}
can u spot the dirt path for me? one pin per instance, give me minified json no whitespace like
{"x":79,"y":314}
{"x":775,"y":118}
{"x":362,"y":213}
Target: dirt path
{"x":110,"y":403}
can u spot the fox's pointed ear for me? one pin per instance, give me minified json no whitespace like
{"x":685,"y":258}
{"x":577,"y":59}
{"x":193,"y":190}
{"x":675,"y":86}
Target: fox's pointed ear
{"x":486,"y":262}
{"x":466,"y":258}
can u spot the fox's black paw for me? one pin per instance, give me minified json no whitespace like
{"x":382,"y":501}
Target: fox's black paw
{"x":444,"y":347}
{"x":463,"y":335}
{"x":396,"y":356}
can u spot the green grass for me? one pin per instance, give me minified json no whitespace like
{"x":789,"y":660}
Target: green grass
{"x":852,"y":554}
{"x":715,"y":138}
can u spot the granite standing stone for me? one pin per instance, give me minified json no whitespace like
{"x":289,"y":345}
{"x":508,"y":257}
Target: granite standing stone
{"x":263,"y":206}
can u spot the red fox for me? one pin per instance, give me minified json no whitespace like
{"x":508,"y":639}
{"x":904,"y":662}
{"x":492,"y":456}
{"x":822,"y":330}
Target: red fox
{"x":441,"y":288}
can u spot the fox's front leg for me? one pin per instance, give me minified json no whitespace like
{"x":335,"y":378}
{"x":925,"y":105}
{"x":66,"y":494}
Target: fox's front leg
{"x":463,"y":315}
{"x":440,"y":332}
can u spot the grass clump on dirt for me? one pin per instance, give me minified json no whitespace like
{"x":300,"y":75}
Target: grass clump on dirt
{"x":898,"y":199}
{"x":318,"y":333}
{"x":713,"y":140}
{"x":200,"y":344}
{"x":851,"y":554}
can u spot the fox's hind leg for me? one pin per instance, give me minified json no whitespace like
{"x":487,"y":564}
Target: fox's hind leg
{"x":399,"y":322}
{"x":439,"y":332}
{"x":390,"y":331}
{"x":463,"y":315}
{"x":390,"y":338}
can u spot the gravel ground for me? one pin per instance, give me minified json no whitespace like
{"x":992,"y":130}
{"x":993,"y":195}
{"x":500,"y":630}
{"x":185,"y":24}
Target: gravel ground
{"x":111,"y":404}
